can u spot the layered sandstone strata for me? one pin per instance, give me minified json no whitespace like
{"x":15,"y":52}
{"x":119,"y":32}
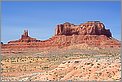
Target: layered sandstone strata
{"x":89,"y":28}
{"x":92,"y":33}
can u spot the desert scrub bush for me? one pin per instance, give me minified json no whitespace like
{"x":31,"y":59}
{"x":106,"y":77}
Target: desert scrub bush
{"x":45,"y":68}
{"x":85,"y":55}
{"x":66,"y":56}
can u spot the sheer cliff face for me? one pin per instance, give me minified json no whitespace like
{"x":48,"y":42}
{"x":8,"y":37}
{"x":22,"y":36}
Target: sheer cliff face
{"x":88,"y":28}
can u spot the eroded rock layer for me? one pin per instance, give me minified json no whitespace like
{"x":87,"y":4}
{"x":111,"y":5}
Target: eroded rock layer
{"x":89,"y":28}
{"x":92,"y":33}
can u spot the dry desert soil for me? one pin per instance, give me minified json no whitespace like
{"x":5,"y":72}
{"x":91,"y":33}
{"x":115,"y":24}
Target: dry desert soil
{"x":74,"y":63}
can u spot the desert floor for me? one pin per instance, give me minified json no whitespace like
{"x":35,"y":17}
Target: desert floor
{"x":72,"y":63}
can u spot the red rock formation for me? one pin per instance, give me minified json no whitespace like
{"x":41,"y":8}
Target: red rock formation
{"x":89,"y":28}
{"x":24,"y":38}
{"x":91,"y":33}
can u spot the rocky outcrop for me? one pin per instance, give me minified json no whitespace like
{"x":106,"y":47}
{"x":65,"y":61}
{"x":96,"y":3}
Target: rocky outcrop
{"x":90,"y":33}
{"x":24,"y":38}
{"x":88,"y":28}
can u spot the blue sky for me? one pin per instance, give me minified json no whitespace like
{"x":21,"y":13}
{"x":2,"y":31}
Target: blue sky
{"x":41,"y":18}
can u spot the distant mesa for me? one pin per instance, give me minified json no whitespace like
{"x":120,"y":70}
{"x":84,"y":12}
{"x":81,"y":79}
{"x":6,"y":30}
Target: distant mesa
{"x":89,"y":28}
{"x":92,"y":33}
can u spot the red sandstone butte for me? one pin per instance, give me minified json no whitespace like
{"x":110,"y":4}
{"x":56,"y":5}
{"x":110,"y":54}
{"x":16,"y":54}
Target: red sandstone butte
{"x":89,"y":28}
{"x":92,"y":33}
